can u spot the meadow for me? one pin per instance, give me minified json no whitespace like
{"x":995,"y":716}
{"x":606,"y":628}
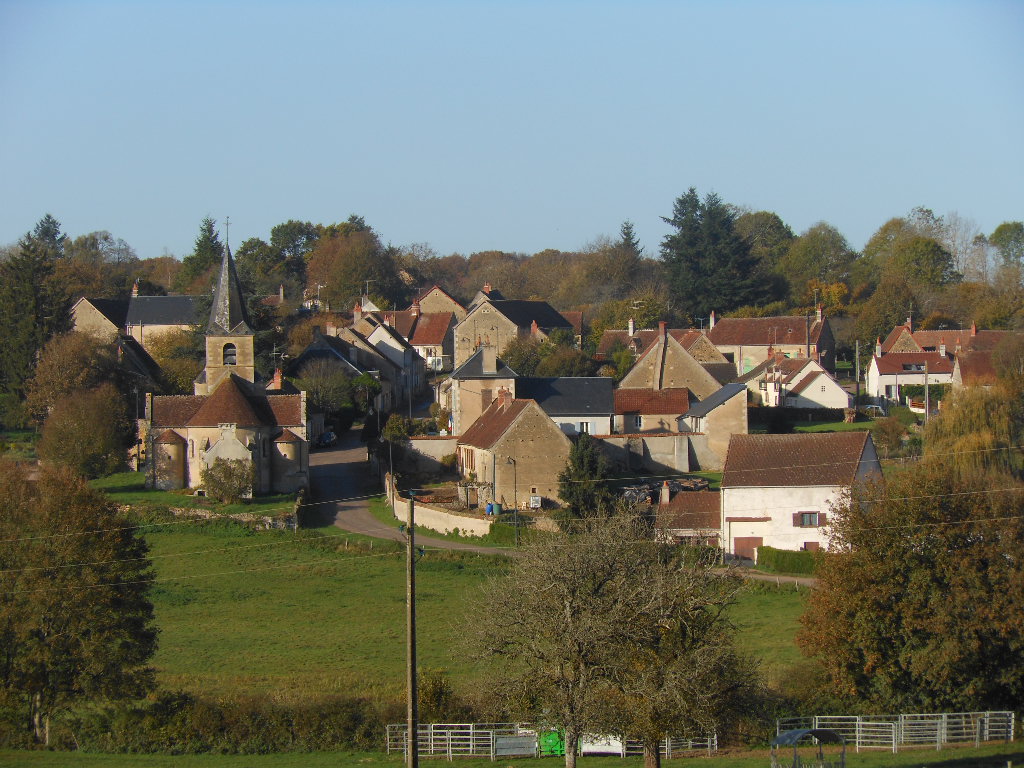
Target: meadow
{"x":323,"y":612}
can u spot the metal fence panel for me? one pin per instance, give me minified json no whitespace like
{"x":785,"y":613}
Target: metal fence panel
{"x":877,"y":735}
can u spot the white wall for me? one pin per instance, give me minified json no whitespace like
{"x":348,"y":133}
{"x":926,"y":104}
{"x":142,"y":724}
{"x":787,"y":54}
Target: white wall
{"x":778,"y":504}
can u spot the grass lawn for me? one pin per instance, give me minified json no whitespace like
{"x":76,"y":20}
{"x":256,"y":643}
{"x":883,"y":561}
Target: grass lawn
{"x":834,"y":426}
{"x":130,"y":488}
{"x":273,"y":612}
{"x":989,"y":756}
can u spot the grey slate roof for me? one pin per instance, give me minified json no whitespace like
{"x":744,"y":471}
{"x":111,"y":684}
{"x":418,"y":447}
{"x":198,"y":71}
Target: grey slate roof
{"x":523,"y":313}
{"x":162,"y":310}
{"x":705,"y":406}
{"x":473,"y":368}
{"x":115,"y":310}
{"x":570,"y":395}
{"x":228,"y":315}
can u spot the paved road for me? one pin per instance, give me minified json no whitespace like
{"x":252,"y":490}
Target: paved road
{"x":344,"y":473}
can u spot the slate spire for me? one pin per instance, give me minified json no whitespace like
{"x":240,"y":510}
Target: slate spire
{"x":228,"y":316}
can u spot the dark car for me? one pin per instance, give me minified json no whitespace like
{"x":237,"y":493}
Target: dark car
{"x":326,"y":440}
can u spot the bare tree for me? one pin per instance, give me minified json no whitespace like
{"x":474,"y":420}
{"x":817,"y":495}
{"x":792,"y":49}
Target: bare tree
{"x":611,"y":632}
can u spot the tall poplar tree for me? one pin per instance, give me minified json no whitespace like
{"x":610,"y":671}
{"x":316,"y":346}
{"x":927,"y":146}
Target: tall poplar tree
{"x":709,"y":264}
{"x":33,"y":306}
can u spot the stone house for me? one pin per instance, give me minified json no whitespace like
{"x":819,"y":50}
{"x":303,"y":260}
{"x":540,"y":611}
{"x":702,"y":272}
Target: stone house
{"x":779,"y":490}
{"x":649,"y":410}
{"x":101,"y":318}
{"x":430,"y":334}
{"x":666,"y":363}
{"x":497,"y":322}
{"x":577,"y":404}
{"x":749,"y":341}
{"x":231,"y":415}
{"x":473,"y":386}
{"x":515,"y":450}
{"x":435,"y":300}
{"x":713,"y":422}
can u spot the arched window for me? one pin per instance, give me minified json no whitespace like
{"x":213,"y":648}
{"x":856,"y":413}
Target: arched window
{"x":230,"y":354}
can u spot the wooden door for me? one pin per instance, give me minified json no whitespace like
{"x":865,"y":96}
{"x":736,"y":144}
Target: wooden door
{"x":744,"y":546}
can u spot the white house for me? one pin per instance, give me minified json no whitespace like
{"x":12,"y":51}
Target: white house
{"x":778,"y":490}
{"x":796,"y":383}
{"x":888,"y":373}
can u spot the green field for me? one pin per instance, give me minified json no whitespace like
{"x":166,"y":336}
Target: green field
{"x":130,"y":488}
{"x":990,"y":756}
{"x":244,"y":612}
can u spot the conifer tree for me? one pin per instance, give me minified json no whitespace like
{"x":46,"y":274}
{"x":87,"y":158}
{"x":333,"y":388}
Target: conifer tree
{"x":33,"y":307}
{"x":709,"y":264}
{"x":207,"y":253}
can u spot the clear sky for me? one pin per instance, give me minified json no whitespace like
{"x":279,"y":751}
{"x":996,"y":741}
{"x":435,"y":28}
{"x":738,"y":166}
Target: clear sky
{"x":514,"y":126}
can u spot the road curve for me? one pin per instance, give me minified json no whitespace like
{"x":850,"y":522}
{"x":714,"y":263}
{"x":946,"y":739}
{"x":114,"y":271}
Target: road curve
{"x":341,"y":483}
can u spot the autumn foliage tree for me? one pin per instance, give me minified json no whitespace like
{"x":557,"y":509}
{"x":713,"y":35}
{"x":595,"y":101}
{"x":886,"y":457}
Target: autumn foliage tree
{"x":76,"y":623}
{"x":920,"y":598}
{"x":88,"y":433}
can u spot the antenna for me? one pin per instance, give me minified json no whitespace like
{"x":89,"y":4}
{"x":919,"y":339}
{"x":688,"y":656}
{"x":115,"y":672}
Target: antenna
{"x":227,"y":231}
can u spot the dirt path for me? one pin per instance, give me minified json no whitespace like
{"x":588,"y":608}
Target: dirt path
{"x":342,"y":482}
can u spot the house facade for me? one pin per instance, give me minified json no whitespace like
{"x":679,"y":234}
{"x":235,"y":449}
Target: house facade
{"x":514,"y":452}
{"x":779,"y":490}
{"x":795,"y":383}
{"x":576,"y":404}
{"x":473,"y":386}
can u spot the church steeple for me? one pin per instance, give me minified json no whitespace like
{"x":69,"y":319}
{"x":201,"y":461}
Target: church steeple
{"x":228,"y":316}
{"x":229,"y":337}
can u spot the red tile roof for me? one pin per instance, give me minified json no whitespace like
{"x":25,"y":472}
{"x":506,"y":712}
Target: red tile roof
{"x":762,"y":331}
{"x":976,"y":367}
{"x":895,"y":362}
{"x":431,"y":328}
{"x":227,"y":405}
{"x":812,"y":459}
{"x":284,"y":409}
{"x":575,"y":320}
{"x":169,"y":437}
{"x":691,"y":510}
{"x":492,"y":423}
{"x":175,"y":410}
{"x":673,"y":402}
{"x":287,"y":437}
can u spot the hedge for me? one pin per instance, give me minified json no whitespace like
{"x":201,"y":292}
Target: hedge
{"x":787,"y":560}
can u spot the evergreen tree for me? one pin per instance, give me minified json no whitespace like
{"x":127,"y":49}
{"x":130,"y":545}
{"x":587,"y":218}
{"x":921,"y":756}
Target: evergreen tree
{"x":583,"y":484}
{"x":709,"y":264}
{"x":207,"y":253}
{"x":33,"y":306}
{"x":628,"y":241}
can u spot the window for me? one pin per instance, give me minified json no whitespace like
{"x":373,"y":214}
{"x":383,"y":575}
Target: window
{"x":584,"y":428}
{"x":808,"y":519}
{"x":230,"y":354}
{"x":638,"y":421}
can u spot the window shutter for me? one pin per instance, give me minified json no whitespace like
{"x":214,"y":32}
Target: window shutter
{"x":821,"y":518}
{"x":796,"y":520}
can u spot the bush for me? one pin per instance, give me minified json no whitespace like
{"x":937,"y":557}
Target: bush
{"x":229,"y":480}
{"x":448,"y":461}
{"x":787,"y":560}
{"x":88,"y":432}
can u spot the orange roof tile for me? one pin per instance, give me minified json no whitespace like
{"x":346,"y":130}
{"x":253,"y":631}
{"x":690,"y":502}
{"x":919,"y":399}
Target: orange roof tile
{"x":812,"y":459}
{"x":492,"y":423}
{"x":652,"y":401}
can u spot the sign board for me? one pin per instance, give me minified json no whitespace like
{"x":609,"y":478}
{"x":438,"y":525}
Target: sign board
{"x":515,"y":746}
{"x":535,"y":502}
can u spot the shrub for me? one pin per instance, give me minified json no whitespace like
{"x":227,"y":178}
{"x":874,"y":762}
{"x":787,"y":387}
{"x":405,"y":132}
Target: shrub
{"x":88,"y":432}
{"x":448,"y":461}
{"x":786,"y":560}
{"x":229,"y":480}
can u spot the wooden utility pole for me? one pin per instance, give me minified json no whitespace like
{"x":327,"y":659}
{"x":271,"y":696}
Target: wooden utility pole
{"x":412,"y":713}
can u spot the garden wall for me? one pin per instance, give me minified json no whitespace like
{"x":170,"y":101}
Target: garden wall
{"x":438,"y":518}
{"x":426,"y":451}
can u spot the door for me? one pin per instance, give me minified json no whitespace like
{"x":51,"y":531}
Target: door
{"x":745,"y":546}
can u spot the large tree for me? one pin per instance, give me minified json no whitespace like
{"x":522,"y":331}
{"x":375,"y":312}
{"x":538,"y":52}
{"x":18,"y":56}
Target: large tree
{"x":609,"y":632}
{"x":206,"y":255}
{"x":89,"y":432}
{"x":821,"y":253}
{"x":920,"y":597}
{"x":1008,"y":239}
{"x":709,"y":265}
{"x":583,"y":484}
{"x":33,"y":304}
{"x":75,"y":619}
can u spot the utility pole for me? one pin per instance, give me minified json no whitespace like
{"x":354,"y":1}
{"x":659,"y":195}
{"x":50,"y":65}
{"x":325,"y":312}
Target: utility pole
{"x":412,"y":713}
{"x":856,"y":372}
{"x":927,"y":399}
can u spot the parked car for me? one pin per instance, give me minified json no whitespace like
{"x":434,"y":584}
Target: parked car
{"x":326,"y":440}
{"x":875,"y":411}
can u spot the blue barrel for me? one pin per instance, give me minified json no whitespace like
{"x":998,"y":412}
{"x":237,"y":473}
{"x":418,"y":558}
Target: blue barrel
{"x":489,"y":509}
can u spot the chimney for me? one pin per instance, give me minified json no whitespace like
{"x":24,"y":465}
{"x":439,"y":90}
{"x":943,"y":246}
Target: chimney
{"x":357,"y":312}
{"x":974,"y":328}
{"x":711,"y":320}
{"x":819,"y":312}
{"x":504,"y":397}
{"x":942,"y":346}
{"x":331,"y":329}
{"x":666,"y":495}
{"x":135,"y":287}
{"x":487,"y":287}
{"x":280,"y":293}
{"x":910,"y":323}
{"x":878,"y":346}
{"x":632,"y":326}
{"x":534,"y":329}
{"x":662,"y":329}
{"x":490,"y":359}
{"x":415,"y":311}
{"x":276,"y":383}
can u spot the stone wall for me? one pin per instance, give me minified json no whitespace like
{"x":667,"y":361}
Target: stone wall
{"x":438,"y":518}
{"x":426,"y":451}
{"x":650,"y":452}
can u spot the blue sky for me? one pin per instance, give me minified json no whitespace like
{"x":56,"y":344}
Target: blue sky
{"x":515,"y":126}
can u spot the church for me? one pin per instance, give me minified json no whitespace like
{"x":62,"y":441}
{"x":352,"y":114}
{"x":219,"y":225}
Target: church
{"x":231,"y":415}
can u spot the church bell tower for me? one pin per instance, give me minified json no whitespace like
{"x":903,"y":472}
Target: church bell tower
{"x":229,"y":337}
